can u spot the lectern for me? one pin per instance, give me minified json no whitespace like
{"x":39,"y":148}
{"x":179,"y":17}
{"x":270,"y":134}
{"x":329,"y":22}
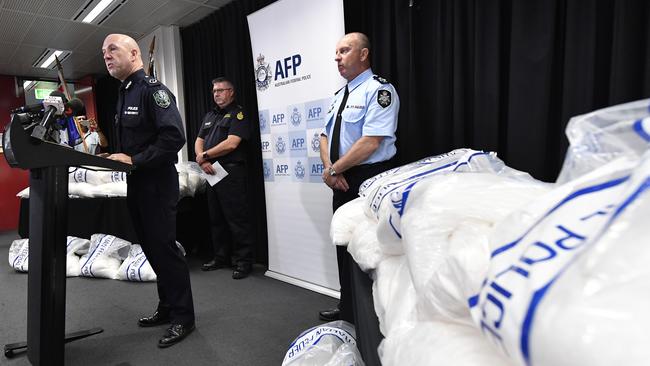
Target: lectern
{"x":48,"y":163}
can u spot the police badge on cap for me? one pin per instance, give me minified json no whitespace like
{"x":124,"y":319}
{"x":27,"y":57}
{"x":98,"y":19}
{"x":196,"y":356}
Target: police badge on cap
{"x":383,"y":98}
{"x":162,"y":98}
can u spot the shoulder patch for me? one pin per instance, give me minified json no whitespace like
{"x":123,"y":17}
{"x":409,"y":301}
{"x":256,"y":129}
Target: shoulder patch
{"x":384,"y":98}
{"x":240,"y":116}
{"x":380,"y":79}
{"x":162,"y":99}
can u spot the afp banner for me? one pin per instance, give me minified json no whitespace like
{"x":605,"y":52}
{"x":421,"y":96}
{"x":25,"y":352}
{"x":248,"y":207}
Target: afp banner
{"x":293,"y":45}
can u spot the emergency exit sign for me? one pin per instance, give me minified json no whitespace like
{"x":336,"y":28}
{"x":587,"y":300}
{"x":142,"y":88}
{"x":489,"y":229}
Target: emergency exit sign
{"x":42,"y":93}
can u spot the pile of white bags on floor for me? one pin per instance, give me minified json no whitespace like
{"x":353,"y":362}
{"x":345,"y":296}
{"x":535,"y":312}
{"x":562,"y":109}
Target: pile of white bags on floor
{"x":330,"y":344}
{"x":19,"y":255}
{"x":103,"y":256}
{"x":478,"y":264}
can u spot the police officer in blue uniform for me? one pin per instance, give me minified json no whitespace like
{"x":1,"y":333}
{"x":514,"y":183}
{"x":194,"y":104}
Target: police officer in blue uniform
{"x":223,"y":137}
{"x":357,"y":142}
{"x":149,"y":135}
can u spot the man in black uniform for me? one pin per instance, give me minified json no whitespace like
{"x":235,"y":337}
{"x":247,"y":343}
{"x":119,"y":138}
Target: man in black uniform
{"x":223,"y":136}
{"x":149,"y":136}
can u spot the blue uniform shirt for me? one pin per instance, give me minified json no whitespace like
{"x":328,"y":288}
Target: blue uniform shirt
{"x":371,"y":110}
{"x":148,"y":125}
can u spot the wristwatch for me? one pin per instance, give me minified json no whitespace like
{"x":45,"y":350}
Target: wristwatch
{"x":205,"y":155}
{"x":331,"y":171}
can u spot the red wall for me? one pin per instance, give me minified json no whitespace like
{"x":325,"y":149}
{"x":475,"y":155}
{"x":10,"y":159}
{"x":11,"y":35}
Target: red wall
{"x":12,"y":181}
{"x":87,"y":97}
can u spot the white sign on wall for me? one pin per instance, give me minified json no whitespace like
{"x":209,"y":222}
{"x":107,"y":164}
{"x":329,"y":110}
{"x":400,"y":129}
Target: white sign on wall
{"x":293,"y":45}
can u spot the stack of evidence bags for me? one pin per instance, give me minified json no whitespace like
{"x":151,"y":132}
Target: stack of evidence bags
{"x":475,"y":263}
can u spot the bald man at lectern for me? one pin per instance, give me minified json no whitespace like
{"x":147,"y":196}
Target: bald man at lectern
{"x":149,"y":134}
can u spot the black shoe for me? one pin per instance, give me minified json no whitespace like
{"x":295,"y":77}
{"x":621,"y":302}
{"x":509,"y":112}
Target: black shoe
{"x":158,"y":318}
{"x":241,"y":271}
{"x":329,"y":315}
{"x":212,"y":265}
{"x":175,"y":333}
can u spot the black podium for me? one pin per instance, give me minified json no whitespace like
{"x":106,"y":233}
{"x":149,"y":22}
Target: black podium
{"x":48,"y":164}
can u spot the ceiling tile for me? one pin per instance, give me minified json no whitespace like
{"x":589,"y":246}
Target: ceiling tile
{"x":43,"y":31}
{"x":63,"y":9}
{"x":13,"y":26}
{"x":5,"y":57}
{"x":27,"y":55}
{"x":30,"y":6}
{"x":172,"y":12}
{"x":71,"y":35}
{"x":131,"y":13}
{"x":217,"y":3}
{"x":195,"y":15}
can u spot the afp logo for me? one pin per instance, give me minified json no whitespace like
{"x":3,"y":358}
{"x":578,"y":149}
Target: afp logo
{"x":299,"y":170}
{"x":315,"y":142}
{"x":262,"y":74}
{"x":280,"y":145}
{"x":296,"y":118}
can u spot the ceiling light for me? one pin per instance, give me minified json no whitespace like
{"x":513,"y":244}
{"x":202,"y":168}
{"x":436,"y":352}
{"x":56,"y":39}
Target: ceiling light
{"x":46,"y":59}
{"x":96,"y":11}
{"x":27,"y":83}
{"x":50,"y":59}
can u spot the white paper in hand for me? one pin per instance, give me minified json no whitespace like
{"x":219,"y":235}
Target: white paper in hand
{"x":215,"y":178}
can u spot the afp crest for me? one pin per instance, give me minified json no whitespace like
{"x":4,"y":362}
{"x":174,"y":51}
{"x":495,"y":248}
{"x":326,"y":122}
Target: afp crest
{"x":280,"y":145}
{"x":299,"y":170}
{"x":296,"y":118}
{"x":262,"y":74}
{"x":315,"y":142}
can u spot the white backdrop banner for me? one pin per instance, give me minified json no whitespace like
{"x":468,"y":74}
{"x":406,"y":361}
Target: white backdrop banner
{"x":293,"y":45}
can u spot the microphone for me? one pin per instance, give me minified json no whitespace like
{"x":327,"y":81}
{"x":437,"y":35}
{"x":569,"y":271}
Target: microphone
{"x":31,"y":108}
{"x":55,"y":99}
{"x":53,"y":106}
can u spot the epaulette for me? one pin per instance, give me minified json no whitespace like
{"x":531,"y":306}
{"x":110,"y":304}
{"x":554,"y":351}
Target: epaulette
{"x":151,"y":81}
{"x":380,"y":79}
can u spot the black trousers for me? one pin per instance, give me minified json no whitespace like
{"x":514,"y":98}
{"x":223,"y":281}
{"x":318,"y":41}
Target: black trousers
{"x":356,"y":304}
{"x":152,"y":196}
{"x":230,"y":220}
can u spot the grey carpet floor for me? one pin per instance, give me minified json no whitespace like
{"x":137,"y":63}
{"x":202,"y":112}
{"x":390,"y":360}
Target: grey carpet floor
{"x":245,"y":322}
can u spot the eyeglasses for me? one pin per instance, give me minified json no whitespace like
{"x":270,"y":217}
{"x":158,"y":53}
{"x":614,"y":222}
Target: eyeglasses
{"x":219,"y":91}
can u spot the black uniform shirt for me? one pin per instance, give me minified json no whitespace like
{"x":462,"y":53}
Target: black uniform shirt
{"x":219,"y":123}
{"x":148,"y":124}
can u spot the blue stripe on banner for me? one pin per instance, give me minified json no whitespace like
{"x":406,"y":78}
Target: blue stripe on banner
{"x":390,"y":221}
{"x":528,"y":321}
{"x":397,"y":184}
{"x":572,"y":196}
{"x":469,"y":159}
{"x":90,"y":269}
{"x":127,"y":271}
{"x":638,"y":128}
{"x":502,"y":249}
{"x":472,"y":301}
{"x":139,"y":268}
{"x":405,"y":197}
{"x":15,"y":260}
{"x":539,"y":294}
